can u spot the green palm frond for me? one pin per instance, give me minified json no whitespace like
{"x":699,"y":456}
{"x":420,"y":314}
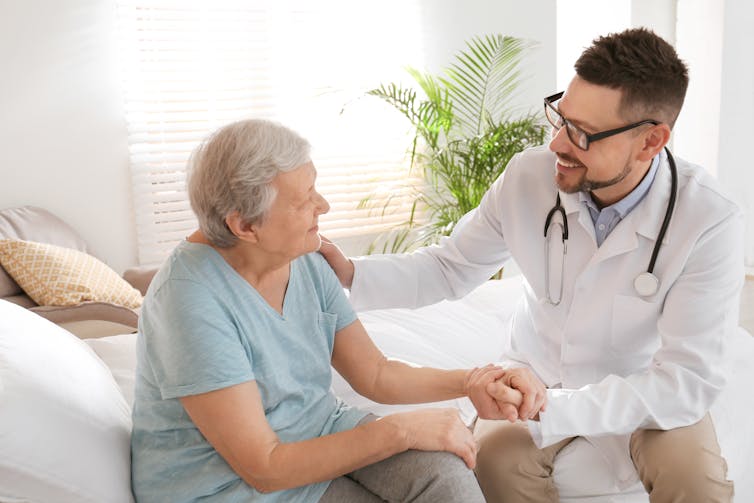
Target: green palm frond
{"x":464,"y":135}
{"x":401,"y":99}
{"x":482,"y":80}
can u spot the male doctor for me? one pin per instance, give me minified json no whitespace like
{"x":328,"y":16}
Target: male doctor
{"x":628,"y":355}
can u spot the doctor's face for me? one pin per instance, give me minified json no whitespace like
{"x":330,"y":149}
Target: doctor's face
{"x":609,"y":168}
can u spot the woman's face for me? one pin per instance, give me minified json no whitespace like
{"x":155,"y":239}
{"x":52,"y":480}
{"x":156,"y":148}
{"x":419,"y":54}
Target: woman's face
{"x":290,"y":227}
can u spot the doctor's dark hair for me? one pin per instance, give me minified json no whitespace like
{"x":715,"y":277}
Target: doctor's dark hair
{"x":233,"y":169}
{"x":642,"y":65}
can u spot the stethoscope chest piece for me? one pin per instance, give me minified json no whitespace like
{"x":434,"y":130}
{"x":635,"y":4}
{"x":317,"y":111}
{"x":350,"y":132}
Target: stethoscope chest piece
{"x":646,"y":284}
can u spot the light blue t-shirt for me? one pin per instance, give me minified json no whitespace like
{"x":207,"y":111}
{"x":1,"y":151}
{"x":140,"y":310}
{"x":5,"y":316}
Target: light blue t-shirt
{"x":203,"y":328}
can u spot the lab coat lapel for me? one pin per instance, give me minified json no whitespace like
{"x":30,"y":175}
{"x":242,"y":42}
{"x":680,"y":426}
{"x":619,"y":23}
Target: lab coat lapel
{"x":621,"y":240}
{"x":572,"y":204}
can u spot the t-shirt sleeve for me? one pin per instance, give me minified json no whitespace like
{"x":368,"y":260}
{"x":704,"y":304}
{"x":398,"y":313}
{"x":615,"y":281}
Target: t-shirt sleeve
{"x":336,"y":301}
{"x":192,"y":343}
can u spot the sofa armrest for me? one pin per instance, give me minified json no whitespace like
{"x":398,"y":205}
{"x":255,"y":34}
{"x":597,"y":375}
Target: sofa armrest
{"x":140,"y":277}
{"x":89,"y":311}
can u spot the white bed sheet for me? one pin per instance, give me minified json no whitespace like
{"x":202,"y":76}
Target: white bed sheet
{"x":469,"y":332}
{"x":474,"y":331}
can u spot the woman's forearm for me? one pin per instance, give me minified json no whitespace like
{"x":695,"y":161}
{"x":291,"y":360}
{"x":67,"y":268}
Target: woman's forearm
{"x":296,"y":464}
{"x":397,"y":382}
{"x":384,"y":380}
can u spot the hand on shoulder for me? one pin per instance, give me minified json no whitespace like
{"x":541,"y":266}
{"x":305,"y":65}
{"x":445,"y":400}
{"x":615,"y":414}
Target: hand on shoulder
{"x":342,"y":266}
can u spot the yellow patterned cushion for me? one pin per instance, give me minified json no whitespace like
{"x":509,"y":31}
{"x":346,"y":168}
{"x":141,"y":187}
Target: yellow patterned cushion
{"x":57,"y":276}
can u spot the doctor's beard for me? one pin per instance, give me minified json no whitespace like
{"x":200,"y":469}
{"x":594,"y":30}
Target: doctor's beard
{"x":584,"y":184}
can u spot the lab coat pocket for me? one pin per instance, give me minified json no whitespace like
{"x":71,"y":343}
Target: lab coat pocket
{"x":634,"y":326}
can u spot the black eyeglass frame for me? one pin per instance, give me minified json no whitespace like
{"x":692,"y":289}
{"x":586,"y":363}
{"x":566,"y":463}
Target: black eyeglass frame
{"x":589,"y":137}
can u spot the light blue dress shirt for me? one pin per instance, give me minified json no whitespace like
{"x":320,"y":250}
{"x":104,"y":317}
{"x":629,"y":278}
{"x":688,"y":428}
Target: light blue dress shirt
{"x":608,"y":217}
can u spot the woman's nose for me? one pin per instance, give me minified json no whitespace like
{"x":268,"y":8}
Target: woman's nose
{"x":322,"y":205}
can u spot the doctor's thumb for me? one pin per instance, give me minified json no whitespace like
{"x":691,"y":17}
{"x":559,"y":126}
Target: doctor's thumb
{"x":504,"y":394}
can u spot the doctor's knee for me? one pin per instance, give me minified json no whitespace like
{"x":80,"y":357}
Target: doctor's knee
{"x":683,"y":463}
{"x":510,"y":467}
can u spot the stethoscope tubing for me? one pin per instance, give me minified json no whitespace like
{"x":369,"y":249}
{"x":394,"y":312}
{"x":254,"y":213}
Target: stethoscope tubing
{"x":668,"y":212}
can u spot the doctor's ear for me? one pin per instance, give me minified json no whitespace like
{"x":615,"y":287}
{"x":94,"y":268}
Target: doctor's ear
{"x":653,"y":141}
{"x":242,"y":229}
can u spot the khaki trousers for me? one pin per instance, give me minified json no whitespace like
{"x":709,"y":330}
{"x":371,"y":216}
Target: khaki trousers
{"x":679,"y":465}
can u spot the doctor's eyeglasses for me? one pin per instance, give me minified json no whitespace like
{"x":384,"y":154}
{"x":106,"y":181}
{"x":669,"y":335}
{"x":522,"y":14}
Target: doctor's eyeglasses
{"x":578,"y":136}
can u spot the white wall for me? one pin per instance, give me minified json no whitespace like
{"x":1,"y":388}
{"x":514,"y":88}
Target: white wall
{"x":581,"y":21}
{"x":716,"y":40}
{"x":63,"y":137}
{"x":697,"y":131}
{"x":62,"y":134}
{"x":735,"y":167}
{"x":448,"y":24}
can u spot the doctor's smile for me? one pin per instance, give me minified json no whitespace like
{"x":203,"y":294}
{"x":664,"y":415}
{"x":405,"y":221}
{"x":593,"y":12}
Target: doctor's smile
{"x":568,"y":167}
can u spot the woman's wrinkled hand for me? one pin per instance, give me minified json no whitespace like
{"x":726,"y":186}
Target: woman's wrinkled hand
{"x":437,"y":430}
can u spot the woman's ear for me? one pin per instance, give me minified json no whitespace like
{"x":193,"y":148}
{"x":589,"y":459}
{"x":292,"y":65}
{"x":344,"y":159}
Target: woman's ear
{"x":654,"y":141}
{"x":241,"y":229}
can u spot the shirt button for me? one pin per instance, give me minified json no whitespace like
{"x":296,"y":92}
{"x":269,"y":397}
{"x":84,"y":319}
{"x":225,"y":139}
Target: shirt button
{"x":602,"y":227}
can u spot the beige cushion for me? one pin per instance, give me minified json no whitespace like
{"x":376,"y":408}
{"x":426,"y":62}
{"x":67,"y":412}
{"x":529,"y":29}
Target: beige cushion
{"x":34,"y":224}
{"x":56,"y":276}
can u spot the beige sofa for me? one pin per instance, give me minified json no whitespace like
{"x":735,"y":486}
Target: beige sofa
{"x":85,"y":319}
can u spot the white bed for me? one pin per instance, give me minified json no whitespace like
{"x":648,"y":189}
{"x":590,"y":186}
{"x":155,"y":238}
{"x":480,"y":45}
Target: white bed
{"x":65,"y":409}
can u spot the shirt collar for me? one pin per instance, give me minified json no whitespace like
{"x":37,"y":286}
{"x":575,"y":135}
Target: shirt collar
{"x":629,"y":202}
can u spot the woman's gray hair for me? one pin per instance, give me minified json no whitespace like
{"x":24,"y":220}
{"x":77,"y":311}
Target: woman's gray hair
{"x":232,"y":170}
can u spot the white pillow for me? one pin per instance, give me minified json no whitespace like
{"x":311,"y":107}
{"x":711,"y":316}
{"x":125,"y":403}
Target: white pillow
{"x":119,"y":354}
{"x":64,"y":424}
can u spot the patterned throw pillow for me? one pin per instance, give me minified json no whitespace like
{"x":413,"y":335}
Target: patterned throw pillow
{"x":56,"y":276}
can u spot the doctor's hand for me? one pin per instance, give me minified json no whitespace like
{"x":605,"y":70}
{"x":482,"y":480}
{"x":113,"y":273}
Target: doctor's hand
{"x":533,"y":390}
{"x":503,"y":405}
{"x":342,"y":266}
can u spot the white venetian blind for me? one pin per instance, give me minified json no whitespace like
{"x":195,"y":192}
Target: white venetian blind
{"x":190,"y":67}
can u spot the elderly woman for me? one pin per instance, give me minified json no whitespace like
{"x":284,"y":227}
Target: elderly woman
{"x":238,"y":333}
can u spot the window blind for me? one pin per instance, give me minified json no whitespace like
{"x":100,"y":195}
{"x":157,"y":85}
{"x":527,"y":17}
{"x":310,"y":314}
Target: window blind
{"x":190,"y":67}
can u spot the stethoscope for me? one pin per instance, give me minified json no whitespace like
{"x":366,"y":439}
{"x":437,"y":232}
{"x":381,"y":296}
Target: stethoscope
{"x":646,"y":283}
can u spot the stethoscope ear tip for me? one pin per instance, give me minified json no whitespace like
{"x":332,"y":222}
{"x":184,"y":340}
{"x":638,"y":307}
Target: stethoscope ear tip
{"x":646,"y":284}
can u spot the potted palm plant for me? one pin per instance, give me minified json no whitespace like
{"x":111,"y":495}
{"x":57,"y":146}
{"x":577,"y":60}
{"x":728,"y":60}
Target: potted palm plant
{"x":464,"y":134}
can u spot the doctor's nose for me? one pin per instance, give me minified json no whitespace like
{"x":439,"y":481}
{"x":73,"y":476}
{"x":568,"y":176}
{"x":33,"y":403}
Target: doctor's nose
{"x":559,"y":141}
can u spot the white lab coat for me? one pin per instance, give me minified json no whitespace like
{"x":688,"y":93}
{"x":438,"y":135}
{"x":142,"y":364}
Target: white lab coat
{"x":613,"y":360}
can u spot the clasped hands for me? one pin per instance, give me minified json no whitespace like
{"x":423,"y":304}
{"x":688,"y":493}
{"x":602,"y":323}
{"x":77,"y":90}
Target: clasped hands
{"x":511,"y":394}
